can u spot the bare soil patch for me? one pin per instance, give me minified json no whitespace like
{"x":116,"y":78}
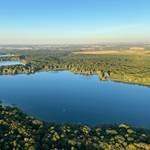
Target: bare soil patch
{"x":97,"y":52}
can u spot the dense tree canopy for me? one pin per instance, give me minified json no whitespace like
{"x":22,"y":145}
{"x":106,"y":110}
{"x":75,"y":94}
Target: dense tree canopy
{"x":23,"y":132}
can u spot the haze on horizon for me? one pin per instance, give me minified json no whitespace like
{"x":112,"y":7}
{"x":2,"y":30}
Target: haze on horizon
{"x":74,"y":21}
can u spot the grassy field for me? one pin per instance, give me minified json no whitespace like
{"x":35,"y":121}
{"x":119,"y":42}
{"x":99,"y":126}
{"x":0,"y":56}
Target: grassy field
{"x":130,"y":51}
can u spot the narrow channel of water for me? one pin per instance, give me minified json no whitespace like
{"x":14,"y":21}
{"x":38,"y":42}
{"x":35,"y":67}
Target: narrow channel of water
{"x":10,"y":63}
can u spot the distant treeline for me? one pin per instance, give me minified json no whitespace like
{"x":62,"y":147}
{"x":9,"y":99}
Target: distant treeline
{"x":123,"y":68}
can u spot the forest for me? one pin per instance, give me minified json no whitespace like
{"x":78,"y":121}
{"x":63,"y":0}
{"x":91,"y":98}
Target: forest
{"x":19,"y":131}
{"x":117,"y":67}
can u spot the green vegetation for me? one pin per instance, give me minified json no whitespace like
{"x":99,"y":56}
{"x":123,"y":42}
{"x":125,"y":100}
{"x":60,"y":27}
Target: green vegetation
{"x":19,"y":131}
{"x":117,"y":67}
{"x":23,"y":132}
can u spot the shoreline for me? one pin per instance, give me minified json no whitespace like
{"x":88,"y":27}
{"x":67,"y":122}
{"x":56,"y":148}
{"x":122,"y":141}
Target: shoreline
{"x":19,"y":130}
{"x":63,"y":69}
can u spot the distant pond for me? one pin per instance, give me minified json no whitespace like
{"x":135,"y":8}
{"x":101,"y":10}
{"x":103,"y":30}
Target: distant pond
{"x":10,"y":63}
{"x":66,"y":97}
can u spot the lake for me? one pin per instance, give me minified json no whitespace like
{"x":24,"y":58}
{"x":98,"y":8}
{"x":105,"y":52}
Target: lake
{"x":67,"y":97}
{"x":10,"y":63}
{"x":6,"y":55}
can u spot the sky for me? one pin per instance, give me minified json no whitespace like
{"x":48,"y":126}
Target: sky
{"x":74,"y":21}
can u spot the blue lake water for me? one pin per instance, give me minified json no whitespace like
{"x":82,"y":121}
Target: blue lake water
{"x":10,"y":63}
{"x":66,"y":97}
{"x":6,"y":55}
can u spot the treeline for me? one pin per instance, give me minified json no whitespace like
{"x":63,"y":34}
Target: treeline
{"x":22,"y":132}
{"x":124,"y":68}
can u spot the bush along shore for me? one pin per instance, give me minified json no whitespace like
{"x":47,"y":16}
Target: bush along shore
{"x":19,"y":131}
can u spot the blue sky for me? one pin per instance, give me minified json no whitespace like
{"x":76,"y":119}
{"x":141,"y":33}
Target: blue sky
{"x":74,"y":21}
